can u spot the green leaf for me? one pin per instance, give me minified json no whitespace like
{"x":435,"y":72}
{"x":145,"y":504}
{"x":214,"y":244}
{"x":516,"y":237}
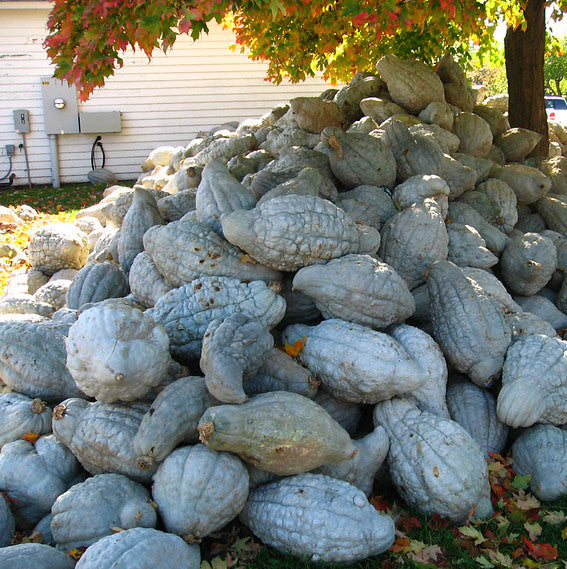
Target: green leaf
{"x":473,"y":533}
{"x":521,"y":482}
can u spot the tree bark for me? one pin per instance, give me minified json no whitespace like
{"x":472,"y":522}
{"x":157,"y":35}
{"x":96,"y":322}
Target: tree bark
{"x":524,"y":52}
{"x":558,"y":87}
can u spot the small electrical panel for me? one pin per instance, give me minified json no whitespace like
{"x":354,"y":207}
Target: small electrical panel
{"x":21,"y":121}
{"x":100,"y":121}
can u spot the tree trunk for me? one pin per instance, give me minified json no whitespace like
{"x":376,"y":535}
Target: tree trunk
{"x":524,"y":52}
{"x":558,"y":87}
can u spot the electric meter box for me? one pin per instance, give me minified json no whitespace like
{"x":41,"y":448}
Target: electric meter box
{"x":100,"y":121}
{"x":60,"y":106}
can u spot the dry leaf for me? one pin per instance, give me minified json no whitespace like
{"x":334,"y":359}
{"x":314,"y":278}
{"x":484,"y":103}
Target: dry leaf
{"x":30,"y":437}
{"x":534,"y":530}
{"x":473,"y":533}
{"x":427,"y":555}
{"x":554,"y":518}
{"x":499,"y":558}
{"x":295,"y":350}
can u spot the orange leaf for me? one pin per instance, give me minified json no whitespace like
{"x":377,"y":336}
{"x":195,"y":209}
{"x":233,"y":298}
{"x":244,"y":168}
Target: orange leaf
{"x":30,"y":437}
{"x":401,"y":546}
{"x":295,"y":349}
{"x":544,"y":551}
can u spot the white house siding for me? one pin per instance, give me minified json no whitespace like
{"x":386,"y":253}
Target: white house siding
{"x":196,"y":86}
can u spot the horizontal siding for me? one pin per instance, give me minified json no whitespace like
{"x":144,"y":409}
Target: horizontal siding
{"x":196,"y":86}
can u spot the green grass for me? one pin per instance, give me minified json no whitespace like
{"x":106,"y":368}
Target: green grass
{"x":45,"y":199}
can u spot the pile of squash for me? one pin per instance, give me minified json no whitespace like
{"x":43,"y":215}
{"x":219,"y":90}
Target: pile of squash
{"x":390,"y":236}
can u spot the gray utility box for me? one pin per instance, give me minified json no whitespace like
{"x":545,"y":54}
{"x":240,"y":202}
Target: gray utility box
{"x":21,"y":120}
{"x":60,"y":106}
{"x":100,"y":121}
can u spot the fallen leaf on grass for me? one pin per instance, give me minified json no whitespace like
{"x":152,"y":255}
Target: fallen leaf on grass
{"x":500,"y":559}
{"x":534,"y":530}
{"x":544,"y":551}
{"x":554,"y":518}
{"x":473,"y":533}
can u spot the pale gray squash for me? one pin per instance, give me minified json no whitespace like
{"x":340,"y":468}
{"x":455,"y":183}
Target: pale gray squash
{"x":288,"y":165}
{"x":371,"y":205}
{"x":33,"y":360}
{"x":540,"y":451}
{"x":290,"y":232}
{"x":103,"y":353}
{"x":438,"y":112}
{"x":483,"y":204}
{"x":504,"y":196}
{"x":529,"y":184}
{"x":54,"y":292}
{"x":186,"y":250}
{"x":33,"y":475}
{"x":543,"y":308}
{"x":361,"y":469}
{"x":34,"y":556}
{"x":359,"y":159}
{"x":222,"y":148}
{"x":280,"y":432}
{"x":141,"y":215}
{"x":175,"y":206}
{"x":445,"y":140}
{"x":146,"y":282}
{"x":481,"y":166}
{"x":43,"y":527}
{"x":362,"y":85}
{"x":436,"y":466}
{"x":318,"y":517}
{"x":186,"y":312}
{"x":20,"y":415}
{"x":234,"y":348}
{"x":142,"y":548}
{"x":413,"y":240}
{"x":464,"y":214}
{"x":96,"y":282}
{"x":199,"y":490}
{"x":346,"y":414}
{"x":357,"y":288}
{"x":26,"y":304}
{"x":100,"y":435}
{"x":417,"y":188}
{"x":280,"y":372}
{"x":299,"y":308}
{"x":90,"y":510}
{"x":528,"y":263}
{"x":523,"y":323}
{"x":280,"y":137}
{"x":172,"y":418}
{"x":468,"y":325}
{"x":534,"y":382}
{"x":355,"y":363}
{"x":309,"y":182}
{"x":530,"y":223}
{"x":106,"y":248}
{"x":487,"y":283}
{"x":467,"y":248}
{"x":430,"y":395}
{"x":474,"y":133}
{"x":220,"y":192}
{"x":7,"y":524}
{"x":58,"y":246}
{"x":474,"y":409}
{"x":412,"y":84}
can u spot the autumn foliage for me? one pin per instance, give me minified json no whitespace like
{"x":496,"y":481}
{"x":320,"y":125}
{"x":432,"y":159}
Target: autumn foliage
{"x":88,"y":37}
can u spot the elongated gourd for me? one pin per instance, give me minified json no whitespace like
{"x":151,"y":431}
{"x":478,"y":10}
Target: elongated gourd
{"x":280,"y":432}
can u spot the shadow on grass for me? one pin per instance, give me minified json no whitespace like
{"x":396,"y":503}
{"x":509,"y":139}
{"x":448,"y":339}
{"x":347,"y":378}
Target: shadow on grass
{"x":45,"y":199}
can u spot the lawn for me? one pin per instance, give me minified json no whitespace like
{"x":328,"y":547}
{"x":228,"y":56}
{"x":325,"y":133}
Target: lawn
{"x":52,"y":205}
{"x":523,"y":533}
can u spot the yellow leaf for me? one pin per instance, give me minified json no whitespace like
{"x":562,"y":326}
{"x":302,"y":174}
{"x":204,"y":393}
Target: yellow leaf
{"x":473,"y":533}
{"x":526,"y":501}
{"x":554,"y":517}
{"x":30,"y":437}
{"x":295,"y":349}
{"x":564,"y":533}
{"x":246,"y":258}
